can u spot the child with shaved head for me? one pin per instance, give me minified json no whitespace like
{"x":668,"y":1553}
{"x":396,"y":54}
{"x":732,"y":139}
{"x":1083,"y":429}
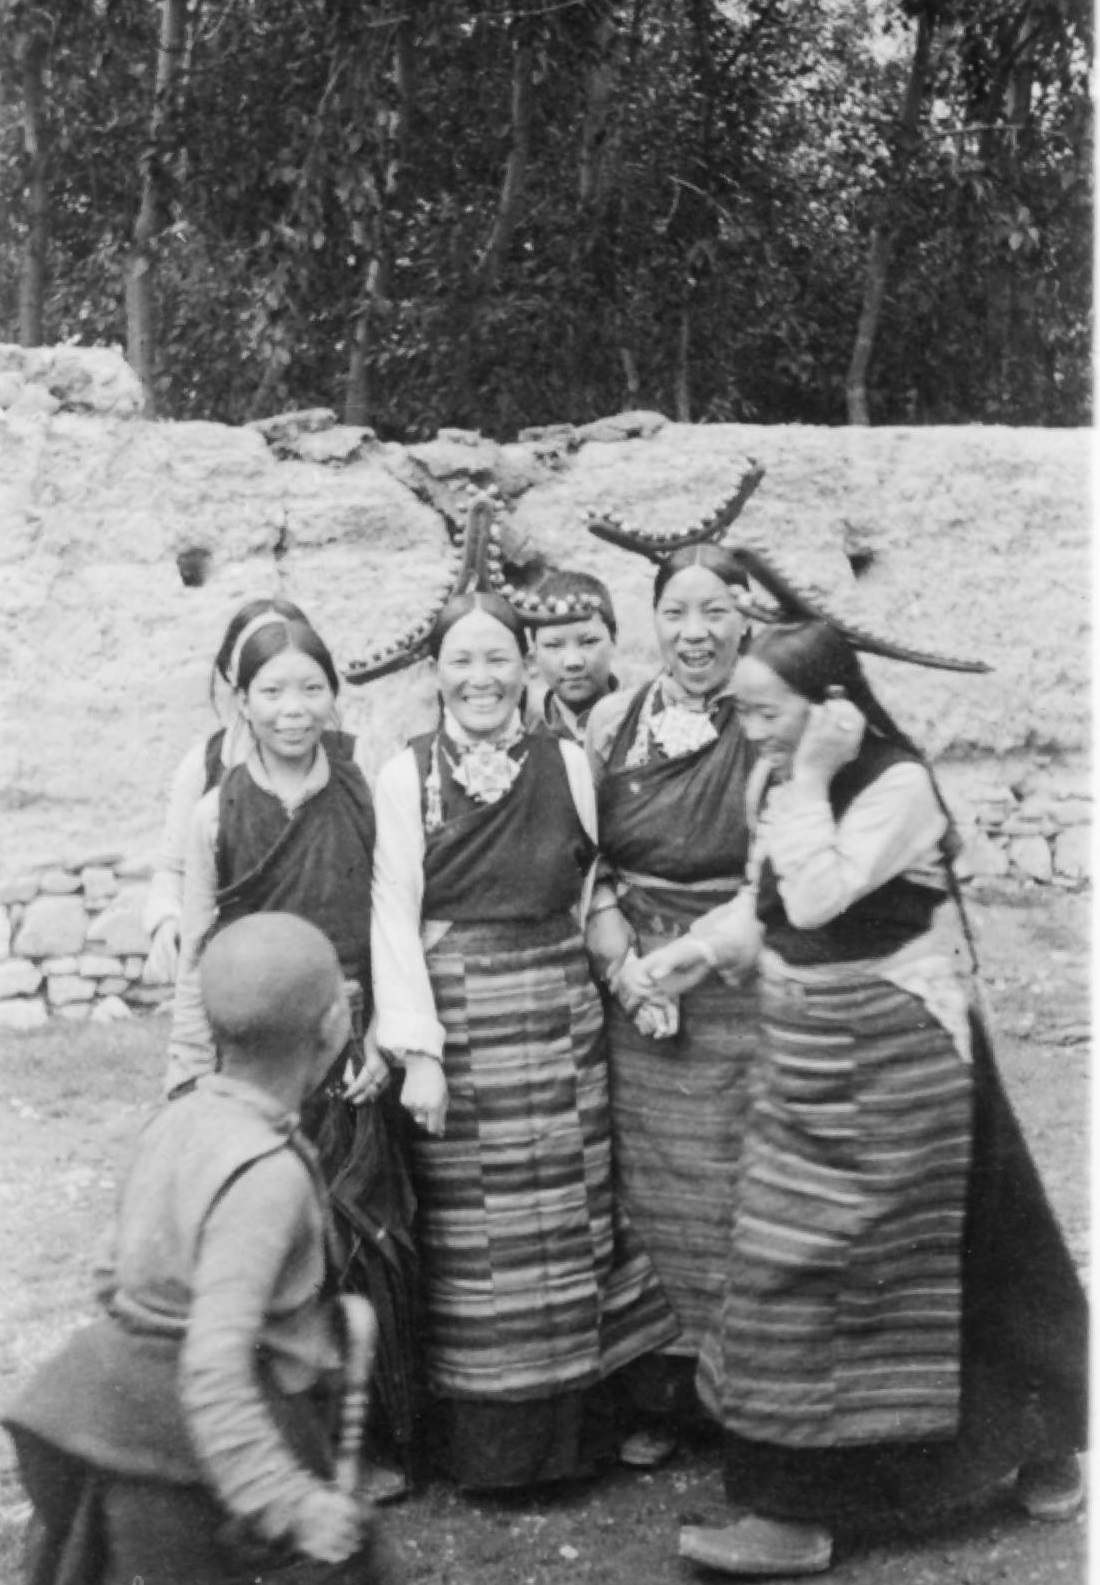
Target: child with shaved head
{"x":185,"y":1439}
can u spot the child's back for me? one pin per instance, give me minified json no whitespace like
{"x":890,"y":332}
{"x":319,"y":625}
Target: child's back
{"x":192,"y":1426}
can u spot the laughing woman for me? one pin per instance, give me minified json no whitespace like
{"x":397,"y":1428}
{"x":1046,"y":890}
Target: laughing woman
{"x":670,"y":763}
{"x":902,"y":1324}
{"x":533,"y":1293}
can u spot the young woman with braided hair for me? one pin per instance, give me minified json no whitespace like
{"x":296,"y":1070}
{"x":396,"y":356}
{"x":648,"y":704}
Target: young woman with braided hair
{"x":902,"y":1324}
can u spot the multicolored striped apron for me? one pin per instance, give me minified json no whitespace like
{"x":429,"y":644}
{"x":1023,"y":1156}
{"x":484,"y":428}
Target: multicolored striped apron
{"x":680,"y":1107}
{"x":841,"y":1319}
{"x":674,"y":833}
{"x":534,"y":1283}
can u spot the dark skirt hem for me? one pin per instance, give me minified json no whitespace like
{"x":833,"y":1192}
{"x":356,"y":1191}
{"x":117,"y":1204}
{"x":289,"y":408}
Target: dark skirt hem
{"x":483,"y":1445}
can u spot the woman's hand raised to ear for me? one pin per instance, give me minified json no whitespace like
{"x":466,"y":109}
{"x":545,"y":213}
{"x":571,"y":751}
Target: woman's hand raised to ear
{"x":830,"y":740}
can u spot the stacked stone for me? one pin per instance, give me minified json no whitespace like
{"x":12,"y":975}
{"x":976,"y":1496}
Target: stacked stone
{"x":72,"y":942}
{"x":1038,"y":831}
{"x":73,"y":945}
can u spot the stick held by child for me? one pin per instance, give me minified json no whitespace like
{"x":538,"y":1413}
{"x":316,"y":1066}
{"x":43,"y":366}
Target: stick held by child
{"x":188,"y":1436}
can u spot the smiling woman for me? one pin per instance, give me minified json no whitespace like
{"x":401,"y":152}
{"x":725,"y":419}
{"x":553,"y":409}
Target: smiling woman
{"x":534,"y":1290}
{"x":479,"y":667}
{"x":291,"y":828}
{"x":671,"y":762}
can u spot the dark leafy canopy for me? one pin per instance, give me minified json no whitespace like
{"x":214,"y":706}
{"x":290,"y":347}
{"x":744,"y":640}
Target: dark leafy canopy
{"x":507,"y":213}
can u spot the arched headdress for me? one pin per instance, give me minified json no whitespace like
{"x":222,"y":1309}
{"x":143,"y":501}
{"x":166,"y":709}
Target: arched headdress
{"x":784,"y":593}
{"x":475,"y":566}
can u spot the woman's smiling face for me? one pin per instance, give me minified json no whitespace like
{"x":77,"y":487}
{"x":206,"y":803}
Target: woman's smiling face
{"x":699,"y":629}
{"x":288,"y":704}
{"x":772,"y":714}
{"x":480,"y":673}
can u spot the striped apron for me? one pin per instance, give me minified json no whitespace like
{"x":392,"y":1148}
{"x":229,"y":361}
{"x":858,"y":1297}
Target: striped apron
{"x":534,"y":1284}
{"x":841,"y":1319}
{"x":680,"y":1107}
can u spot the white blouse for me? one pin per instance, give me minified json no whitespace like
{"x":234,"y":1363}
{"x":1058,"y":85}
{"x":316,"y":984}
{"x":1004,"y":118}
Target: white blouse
{"x":823,"y":865}
{"x":400,"y":936}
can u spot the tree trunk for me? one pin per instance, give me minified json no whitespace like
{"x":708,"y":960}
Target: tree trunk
{"x":874,"y":290}
{"x":630,"y":377}
{"x":882,"y":232}
{"x":357,"y":383}
{"x":594,"y":176}
{"x":357,"y":403}
{"x":141,"y":347}
{"x":32,"y":276}
{"x":683,"y":368}
{"x":395,"y":136}
{"x":515,"y":173}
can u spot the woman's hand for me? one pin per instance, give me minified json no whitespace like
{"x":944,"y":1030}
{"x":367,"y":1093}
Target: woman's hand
{"x":164,"y":954}
{"x":424,"y":1092}
{"x":608,"y":938}
{"x":678,"y":966}
{"x":830,"y":740}
{"x":631,"y":984}
{"x":373,"y":1076}
{"x":659,"y":1019}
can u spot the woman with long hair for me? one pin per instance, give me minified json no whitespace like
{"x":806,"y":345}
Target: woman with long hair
{"x":901,"y":1323}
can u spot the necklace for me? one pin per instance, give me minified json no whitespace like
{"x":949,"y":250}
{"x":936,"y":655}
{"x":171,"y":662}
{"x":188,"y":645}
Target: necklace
{"x":485,"y":771}
{"x":675,"y":729}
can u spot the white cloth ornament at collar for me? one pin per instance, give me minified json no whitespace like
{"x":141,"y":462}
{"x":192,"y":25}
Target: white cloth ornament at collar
{"x":678,"y":731}
{"x":487,"y":772}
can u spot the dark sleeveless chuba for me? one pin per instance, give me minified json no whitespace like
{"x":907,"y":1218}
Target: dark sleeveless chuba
{"x":674,"y":834}
{"x":682,"y":819}
{"x":875,"y":925}
{"x":315,"y":863}
{"x":536,"y":1290}
{"x":524,"y":857}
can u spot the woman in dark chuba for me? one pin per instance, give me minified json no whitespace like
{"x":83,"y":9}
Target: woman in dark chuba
{"x":535,"y":1292}
{"x":902,"y":1324}
{"x":670,"y":762}
{"x":290,"y":827}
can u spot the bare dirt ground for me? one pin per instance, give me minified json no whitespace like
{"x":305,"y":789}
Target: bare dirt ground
{"x":72,"y":1098}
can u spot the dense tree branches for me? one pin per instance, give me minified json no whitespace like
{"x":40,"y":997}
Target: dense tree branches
{"x":503,"y":212}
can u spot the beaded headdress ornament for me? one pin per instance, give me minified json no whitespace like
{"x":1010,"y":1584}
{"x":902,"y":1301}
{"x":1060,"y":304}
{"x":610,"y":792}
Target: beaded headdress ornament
{"x":785,"y":594}
{"x":475,"y":566}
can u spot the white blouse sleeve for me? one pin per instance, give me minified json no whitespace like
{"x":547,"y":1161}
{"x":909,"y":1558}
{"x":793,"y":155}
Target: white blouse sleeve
{"x":165,"y":896}
{"x":191,"y":1045}
{"x":824,"y":865}
{"x":403,"y":1002}
{"x":581,"y":785}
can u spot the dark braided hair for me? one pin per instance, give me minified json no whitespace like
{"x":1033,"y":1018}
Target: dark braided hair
{"x":815,"y":660}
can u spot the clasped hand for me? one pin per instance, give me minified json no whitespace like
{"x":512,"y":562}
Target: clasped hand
{"x":676,"y":967}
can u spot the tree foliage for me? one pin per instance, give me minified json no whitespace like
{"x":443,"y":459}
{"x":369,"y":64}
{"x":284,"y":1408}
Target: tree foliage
{"x":510,"y":212}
